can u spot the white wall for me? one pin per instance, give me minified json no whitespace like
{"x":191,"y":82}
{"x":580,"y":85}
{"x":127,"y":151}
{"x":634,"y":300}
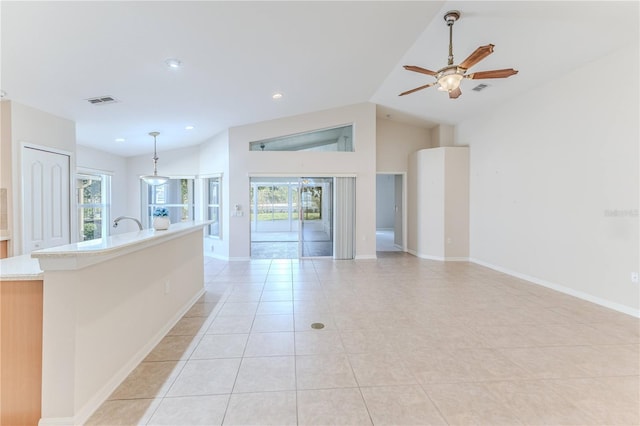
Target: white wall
{"x":90,"y":159}
{"x":426,"y":204}
{"x":175,"y":163}
{"x":6,"y":168}
{"x":362,"y":163}
{"x":546,"y":168}
{"x":214,"y":160}
{"x":439,"y":203}
{"x":35,"y":128}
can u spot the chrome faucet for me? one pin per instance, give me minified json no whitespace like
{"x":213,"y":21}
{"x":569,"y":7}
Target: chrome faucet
{"x":115,"y":222}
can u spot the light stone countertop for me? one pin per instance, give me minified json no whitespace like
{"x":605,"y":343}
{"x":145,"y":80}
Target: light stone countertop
{"x":85,"y":253}
{"x":20,"y":268}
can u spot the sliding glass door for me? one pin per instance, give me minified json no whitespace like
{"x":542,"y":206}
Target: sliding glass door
{"x":316,"y":217}
{"x":291,"y":217}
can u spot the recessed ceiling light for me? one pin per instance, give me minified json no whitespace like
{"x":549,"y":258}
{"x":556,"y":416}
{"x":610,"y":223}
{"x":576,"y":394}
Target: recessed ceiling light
{"x":189,"y":127}
{"x":173,"y":63}
{"x":277,"y":96}
{"x":120,"y":139}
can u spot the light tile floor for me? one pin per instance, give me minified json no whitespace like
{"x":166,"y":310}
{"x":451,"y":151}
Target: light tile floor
{"x":406,"y":341}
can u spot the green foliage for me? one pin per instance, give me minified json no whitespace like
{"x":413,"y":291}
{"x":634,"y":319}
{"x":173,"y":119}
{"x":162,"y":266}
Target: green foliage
{"x":88,"y":231}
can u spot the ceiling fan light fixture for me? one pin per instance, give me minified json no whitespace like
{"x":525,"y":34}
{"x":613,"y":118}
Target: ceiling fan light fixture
{"x":449,"y":78}
{"x":155,"y":179}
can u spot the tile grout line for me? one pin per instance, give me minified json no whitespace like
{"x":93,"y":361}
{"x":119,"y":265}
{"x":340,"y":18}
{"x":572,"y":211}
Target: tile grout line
{"x":235,"y":380}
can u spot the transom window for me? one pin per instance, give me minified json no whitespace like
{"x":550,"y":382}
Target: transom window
{"x":335,"y":139}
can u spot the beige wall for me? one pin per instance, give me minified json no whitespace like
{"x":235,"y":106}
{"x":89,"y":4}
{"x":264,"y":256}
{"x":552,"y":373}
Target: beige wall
{"x":456,"y":203}
{"x":547,"y":169}
{"x":442,"y":135}
{"x":395,"y":142}
{"x":361,"y":163}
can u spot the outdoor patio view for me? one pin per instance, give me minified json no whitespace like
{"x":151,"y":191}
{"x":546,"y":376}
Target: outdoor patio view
{"x":291,"y":218}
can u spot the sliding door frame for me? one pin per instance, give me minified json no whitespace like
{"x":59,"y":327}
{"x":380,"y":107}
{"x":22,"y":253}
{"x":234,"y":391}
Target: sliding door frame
{"x":301,"y":176}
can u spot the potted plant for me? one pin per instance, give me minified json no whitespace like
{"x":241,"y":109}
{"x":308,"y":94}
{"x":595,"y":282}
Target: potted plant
{"x":161,"y":219}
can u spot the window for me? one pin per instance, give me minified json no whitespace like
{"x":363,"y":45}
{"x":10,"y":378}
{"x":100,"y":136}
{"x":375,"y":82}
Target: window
{"x":176,"y":195}
{"x":93,"y":196}
{"x":338,"y":139}
{"x":213,"y":205}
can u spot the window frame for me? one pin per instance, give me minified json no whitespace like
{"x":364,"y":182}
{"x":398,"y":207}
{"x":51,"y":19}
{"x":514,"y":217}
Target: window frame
{"x":104,"y":205}
{"x":311,"y":141}
{"x":148,"y":203}
{"x":206,"y":204}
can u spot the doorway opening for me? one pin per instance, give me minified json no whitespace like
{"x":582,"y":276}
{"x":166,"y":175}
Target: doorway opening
{"x":389,"y":212}
{"x":291,"y":217}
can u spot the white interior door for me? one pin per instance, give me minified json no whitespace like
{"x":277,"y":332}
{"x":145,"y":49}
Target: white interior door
{"x":46,"y":218}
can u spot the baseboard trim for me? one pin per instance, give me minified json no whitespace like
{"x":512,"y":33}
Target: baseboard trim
{"x":439,"y":258}
{"x":562,"y":289}
{"x":98,"y":399}
{"x":215,"y":256}
{"x":365,"y":257}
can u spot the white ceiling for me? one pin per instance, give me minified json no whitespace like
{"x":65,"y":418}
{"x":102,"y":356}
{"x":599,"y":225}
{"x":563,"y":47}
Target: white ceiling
{"x":320,"y":55}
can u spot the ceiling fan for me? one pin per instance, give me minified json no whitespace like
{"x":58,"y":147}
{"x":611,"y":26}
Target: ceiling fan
{"x":449,"y":77}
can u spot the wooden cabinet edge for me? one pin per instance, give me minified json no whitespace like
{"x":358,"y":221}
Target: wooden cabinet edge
{"x":20,"y":352}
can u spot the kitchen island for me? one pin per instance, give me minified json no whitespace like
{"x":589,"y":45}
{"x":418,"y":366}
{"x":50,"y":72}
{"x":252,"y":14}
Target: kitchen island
{"x":106,"y":304}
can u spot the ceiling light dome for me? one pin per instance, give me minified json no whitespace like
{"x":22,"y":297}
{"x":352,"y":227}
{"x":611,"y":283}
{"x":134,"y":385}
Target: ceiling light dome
{"x":173,"y":63}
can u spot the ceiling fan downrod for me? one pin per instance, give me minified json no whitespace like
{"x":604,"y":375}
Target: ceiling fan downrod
{"x":451,"y":17}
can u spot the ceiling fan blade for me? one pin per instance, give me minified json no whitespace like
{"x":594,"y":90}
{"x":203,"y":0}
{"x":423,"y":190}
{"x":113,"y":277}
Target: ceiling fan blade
{"x":416,"y":89}
{"x":454,"y":94}
{"x":419,"y":69}
{"x":507,"y":72}
{"x":479,"y":54}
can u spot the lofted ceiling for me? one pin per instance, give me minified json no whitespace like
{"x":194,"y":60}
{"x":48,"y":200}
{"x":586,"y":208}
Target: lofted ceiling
{"x":319,"y":55}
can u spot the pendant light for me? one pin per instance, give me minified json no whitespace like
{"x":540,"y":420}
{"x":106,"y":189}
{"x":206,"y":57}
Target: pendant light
{"x":154,"y":179}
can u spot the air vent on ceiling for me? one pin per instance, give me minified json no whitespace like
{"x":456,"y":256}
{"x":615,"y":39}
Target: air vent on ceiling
{"x":101,"y":100}
{"x":480,"y":87}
